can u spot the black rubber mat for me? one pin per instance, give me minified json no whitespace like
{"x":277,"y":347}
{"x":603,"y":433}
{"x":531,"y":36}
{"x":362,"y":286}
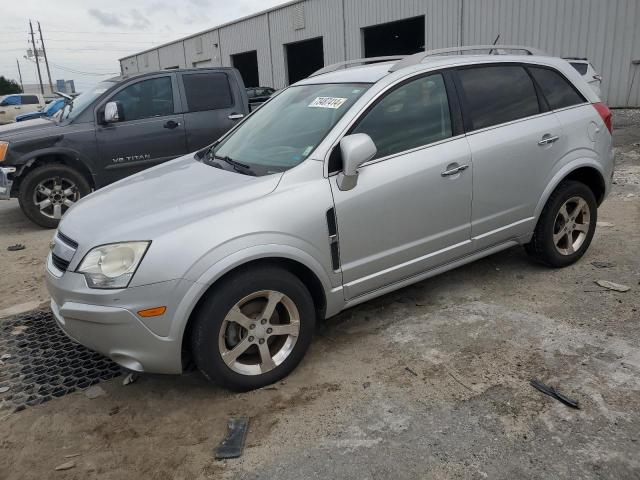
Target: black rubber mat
{"x":39,"y":362}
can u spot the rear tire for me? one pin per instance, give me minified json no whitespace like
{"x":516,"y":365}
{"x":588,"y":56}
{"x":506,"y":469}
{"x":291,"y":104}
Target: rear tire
{"x":566,"y":225}
{"x":47,"y":192}
{"x":253,"y":328}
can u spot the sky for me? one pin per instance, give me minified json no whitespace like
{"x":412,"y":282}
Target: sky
{"x":85,"y":38}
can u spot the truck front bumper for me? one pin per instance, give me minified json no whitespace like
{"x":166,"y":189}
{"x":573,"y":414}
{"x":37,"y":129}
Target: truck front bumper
{"x":5,"y":183}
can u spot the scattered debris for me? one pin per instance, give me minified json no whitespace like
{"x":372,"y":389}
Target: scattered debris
{"x":130,"y":378}
{"x":114,"y":411}
{"x":4,"y":389}
{"x":411,"y":371}
{"x":552,"y":392}
{"x":366,"y":384}
{"x":233,"y":442}
{"x":19,"y":330}
{"x":66,"y":466}
{"x":94,"y":391}
{"x":459,"y":382}
{"x":16,"y":247}
{"x":603,"y":264}
{"x":613,"y":286}
{"x":4,"y":357}
{"x":72,"y":455}
{"x":605,"y":224}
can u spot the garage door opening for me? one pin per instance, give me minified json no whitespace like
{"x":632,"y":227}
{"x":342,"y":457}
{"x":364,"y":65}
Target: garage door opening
{"x":403,"y":37}
{"x":304,"y":58}
{"x":247,"y":65}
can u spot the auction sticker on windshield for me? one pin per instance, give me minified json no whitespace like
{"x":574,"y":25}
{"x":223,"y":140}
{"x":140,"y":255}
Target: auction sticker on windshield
{"x":328,"y":102}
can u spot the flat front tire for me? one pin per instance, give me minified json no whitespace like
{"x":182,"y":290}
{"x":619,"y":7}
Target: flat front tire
{"x":253,"y":328}
{"x":47,"y":192}
{"x":566,"y":225}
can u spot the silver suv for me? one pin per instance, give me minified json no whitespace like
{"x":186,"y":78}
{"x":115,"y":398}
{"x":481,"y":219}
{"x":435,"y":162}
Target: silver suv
{"x":345,"y":186}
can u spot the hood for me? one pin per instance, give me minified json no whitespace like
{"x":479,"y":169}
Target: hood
{"x":32,"y":128}
{"x":160,"y":200}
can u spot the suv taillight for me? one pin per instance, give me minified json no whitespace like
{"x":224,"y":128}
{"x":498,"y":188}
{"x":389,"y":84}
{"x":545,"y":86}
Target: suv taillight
{"x":605,"y":113}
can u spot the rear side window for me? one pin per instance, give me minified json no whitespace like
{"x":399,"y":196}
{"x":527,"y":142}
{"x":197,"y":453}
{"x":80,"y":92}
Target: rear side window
{"x":412,"y":115}
{"x":556,"y":89}
{"x":207,"y":91}
{"x":580,"y":67}
{"x":30,"y":100}
{"x":497,"y":94}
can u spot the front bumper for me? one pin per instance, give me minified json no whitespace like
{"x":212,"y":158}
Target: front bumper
{"x":5,"y":183}
{"x":106,"y":320}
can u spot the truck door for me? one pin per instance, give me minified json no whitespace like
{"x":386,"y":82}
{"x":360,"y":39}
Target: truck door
{"x":213,"y":104}
{"x":150,"y":132}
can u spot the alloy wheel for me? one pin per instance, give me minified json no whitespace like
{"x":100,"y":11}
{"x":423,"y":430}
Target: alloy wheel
{"x":259,"y":332}
{"x":53,"y":196}
{"x":571,"y":225}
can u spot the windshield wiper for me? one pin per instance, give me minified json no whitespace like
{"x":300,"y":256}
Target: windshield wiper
{"x":237,"y":166}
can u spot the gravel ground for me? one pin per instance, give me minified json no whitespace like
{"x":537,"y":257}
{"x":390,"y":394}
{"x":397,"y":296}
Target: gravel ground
{"x":427,"y":382}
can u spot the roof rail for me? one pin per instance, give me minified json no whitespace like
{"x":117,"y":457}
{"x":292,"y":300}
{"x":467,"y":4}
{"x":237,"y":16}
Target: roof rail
{"x":417,"y":58}
{"x":337,"y":66}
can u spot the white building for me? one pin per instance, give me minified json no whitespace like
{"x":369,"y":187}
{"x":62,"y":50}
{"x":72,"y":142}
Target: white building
{"x":281,"y":45}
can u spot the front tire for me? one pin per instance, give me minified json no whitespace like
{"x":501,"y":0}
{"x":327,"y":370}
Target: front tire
{"x":47,"y":192}
{"x":566,"y":225}
{"x":253,"y":328}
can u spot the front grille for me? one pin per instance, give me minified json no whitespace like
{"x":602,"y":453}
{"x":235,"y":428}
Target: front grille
{"x":60,"y":263}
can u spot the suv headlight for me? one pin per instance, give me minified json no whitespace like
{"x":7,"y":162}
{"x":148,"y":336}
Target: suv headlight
{"x":113,"y":265}
{"x":4,"y":146}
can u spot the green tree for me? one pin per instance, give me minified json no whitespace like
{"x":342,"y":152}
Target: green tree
{"x":9,"y":86}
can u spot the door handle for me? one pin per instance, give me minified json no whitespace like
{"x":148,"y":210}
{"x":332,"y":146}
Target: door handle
{"x":454,"y":170}
{"x":171,"y":124}
{"x":235,"y":116}
{"x":548,"y":139}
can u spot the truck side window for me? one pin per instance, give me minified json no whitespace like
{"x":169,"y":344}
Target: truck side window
{"x":30,"y":100}
{"x":145,"y":99}
{"x":12,"y":100}
{"x":207,"y":91}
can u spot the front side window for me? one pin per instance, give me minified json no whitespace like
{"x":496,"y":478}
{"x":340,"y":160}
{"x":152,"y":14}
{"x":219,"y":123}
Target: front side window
{"x":497,"y":94}
{"x":146,"y":99}
{"x":412,"y":115}
{"x":283,"y":132}
{"x":556,"y":89}
{"x":12,"y":100}
{"x":73,"y":109}
{"x":207,"y":91}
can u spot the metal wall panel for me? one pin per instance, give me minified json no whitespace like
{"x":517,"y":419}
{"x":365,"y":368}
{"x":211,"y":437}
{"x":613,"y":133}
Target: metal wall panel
{"x":322,"y":18}
{"x":172,"y":56}
{"x":248,"y":35}
{"x":442,"y":20}
{"x":210,"y":55}
{"x":129,"y":65}
{"x":148,"y":61}
{"x":606,"y":33}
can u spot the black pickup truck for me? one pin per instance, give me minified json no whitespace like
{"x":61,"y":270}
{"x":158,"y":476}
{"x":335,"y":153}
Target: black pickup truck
{"x":121,"y":126}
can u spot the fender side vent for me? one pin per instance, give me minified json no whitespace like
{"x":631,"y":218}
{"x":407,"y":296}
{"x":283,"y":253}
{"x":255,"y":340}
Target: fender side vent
{"x":332,"y":226}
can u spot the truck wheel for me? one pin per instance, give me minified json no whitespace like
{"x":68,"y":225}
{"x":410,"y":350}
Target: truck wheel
{"x":566,"y":225}
{"x":253,"y":329}
{"x":47,"y":192}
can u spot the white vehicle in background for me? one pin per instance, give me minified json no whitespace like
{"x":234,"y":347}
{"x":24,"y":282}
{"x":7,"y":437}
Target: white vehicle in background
{"x":584,"y":68}
{"x":18,"y":103}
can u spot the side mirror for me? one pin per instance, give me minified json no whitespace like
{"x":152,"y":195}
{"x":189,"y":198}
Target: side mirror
{"x":356,"y":149}
{"x":113,"y":112}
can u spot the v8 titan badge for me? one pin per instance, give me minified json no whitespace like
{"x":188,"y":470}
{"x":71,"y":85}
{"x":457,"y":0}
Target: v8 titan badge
{"x":328,"y":102}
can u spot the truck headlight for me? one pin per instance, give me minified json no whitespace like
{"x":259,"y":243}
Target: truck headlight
{"x":113,"y":265}
{"x":4,"y":146}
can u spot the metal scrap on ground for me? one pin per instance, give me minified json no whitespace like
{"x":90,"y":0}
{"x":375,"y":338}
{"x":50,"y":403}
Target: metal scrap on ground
{"x":613,"y":286}
{"x":552,"y":392}
{"x":233,"y":442}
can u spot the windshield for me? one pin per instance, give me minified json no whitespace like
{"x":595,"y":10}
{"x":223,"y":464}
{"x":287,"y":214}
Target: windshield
{"x":282,"y":133}
{"x":75,"y":108}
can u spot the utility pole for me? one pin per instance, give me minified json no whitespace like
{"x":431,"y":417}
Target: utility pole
{"x":20,"y":75}
{"x":35,"y":52}
{"x":46,"y":62}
